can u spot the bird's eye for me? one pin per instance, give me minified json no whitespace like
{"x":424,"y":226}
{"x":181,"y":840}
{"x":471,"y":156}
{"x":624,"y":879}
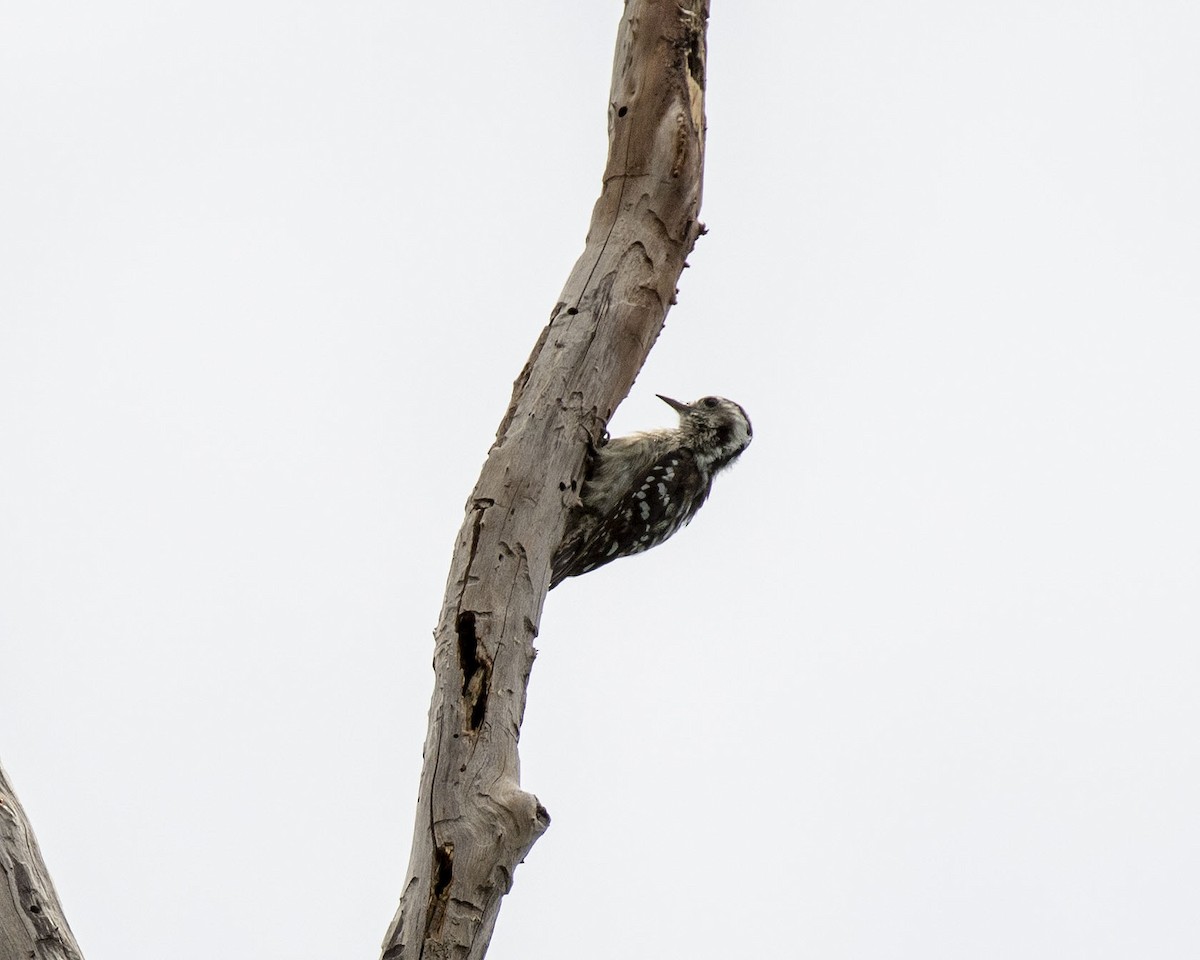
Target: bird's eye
{"x":710,"y":402}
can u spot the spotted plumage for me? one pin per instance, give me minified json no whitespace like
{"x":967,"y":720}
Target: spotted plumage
{"x":643,"y":488}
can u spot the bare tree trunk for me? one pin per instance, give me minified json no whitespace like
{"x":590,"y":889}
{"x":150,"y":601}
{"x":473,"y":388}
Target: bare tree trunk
{"x":474,"y":822}
{"x":32,"y":924}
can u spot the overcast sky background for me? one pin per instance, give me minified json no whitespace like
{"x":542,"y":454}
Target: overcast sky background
{"x":920,"y":681}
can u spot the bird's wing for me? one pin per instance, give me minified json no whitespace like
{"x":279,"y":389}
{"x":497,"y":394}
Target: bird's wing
{"x":668,"y":495}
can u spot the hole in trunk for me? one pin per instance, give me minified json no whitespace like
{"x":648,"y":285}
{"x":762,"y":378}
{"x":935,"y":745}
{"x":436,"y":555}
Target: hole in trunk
{"x":476,"y":671}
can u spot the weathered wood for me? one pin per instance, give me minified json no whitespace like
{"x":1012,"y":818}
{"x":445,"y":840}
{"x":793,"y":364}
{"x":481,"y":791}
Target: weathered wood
{"x":32,"y":924}
{"x":474,"y":822}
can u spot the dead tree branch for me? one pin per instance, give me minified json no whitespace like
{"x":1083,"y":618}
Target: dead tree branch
{"x":32,"y":923}
{"x":474,"y":823}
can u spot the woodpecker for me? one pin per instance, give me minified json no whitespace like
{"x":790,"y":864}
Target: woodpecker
{"x":644,"y":487}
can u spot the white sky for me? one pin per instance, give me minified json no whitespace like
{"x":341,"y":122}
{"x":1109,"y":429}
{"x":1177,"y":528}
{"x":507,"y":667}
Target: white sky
{"x":921,"y":681}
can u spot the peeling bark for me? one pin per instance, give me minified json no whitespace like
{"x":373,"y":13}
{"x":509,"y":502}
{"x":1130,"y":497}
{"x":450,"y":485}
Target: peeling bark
{"x":474,"y":823}
{"x":32,"y":924}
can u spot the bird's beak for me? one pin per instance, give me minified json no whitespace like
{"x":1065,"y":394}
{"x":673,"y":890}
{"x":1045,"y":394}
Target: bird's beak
{"x":674,"y":404}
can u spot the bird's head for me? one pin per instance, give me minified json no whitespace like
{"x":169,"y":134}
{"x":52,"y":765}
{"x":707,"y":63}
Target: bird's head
{"x":716,"y":429}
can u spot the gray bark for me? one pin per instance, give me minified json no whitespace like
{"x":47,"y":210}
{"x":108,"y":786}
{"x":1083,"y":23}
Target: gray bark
{"x":474,"y":822}
{"x":32,"y":925}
